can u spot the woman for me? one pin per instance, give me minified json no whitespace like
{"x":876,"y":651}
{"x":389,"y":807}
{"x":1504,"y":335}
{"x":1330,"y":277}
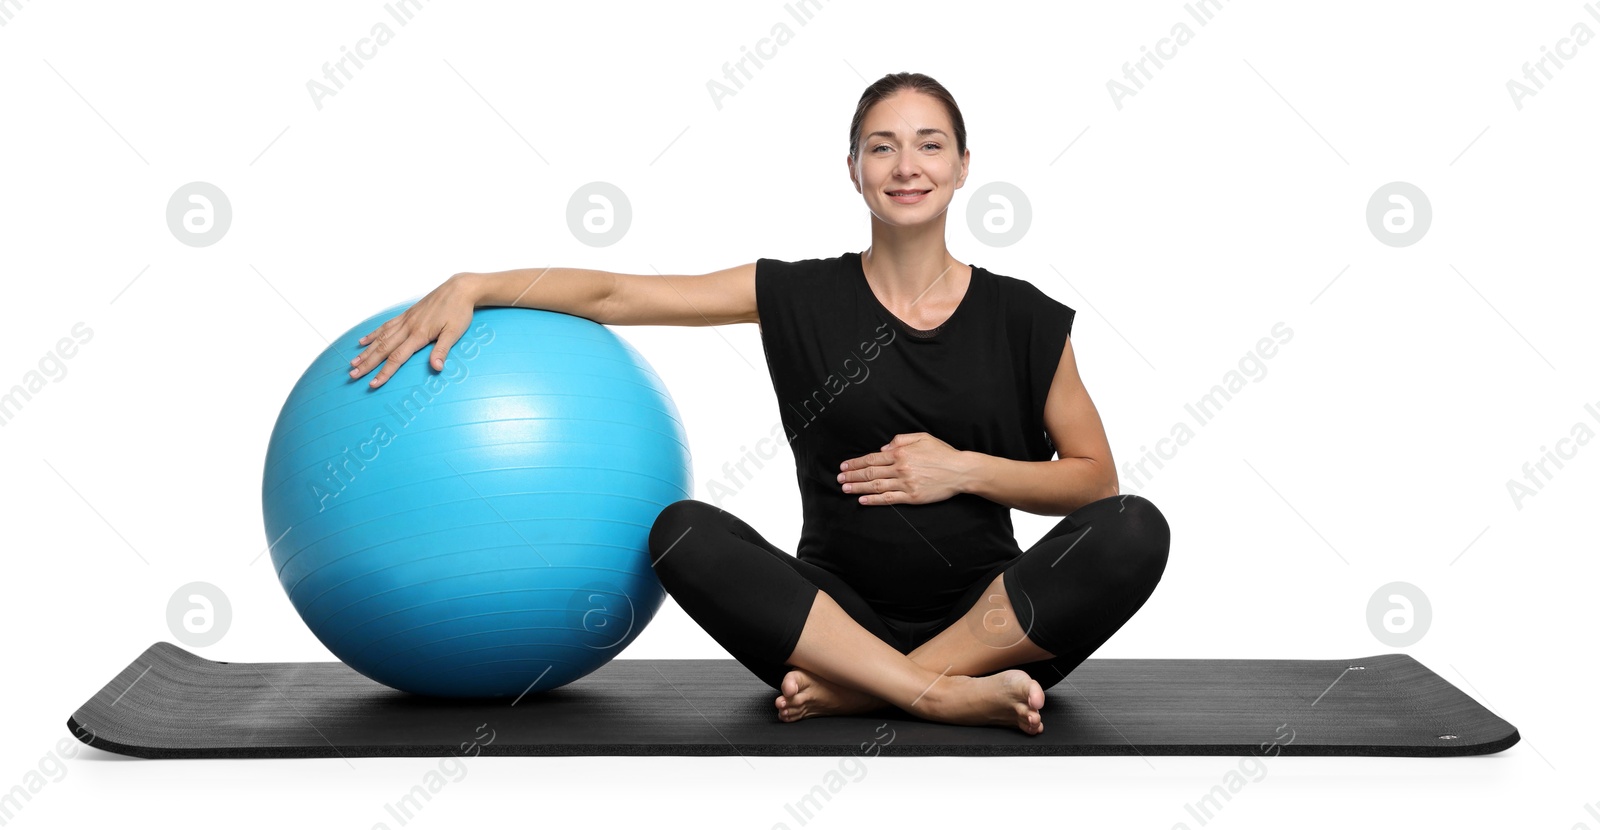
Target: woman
{"x":923,"y":400}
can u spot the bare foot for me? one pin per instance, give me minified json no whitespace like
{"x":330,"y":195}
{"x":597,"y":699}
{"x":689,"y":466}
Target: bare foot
{"x":1010,"y":698}
{"x":806,"y":695}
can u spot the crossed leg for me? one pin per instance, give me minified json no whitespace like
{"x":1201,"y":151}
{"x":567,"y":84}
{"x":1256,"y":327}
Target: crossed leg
{"x":987,"y":638}
{"x":775,"y":612}
{"x":1042,"y":613}
{"x":836,"y":647}
{"x":1079,"y":584}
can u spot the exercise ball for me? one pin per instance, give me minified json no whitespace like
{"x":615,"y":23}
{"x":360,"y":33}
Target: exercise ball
{"x":482,"y":530}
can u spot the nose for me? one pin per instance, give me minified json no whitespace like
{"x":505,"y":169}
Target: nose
{"x":906,"y":170}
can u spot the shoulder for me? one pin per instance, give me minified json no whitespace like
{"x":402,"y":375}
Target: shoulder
{"x":798,"y":291}
{"x":1028,"y":304}
{"x":803,"y":266}
{"x":801,"y":277}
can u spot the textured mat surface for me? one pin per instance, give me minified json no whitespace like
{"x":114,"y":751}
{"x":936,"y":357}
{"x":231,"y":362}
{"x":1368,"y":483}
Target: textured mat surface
{"x":170,"y":703}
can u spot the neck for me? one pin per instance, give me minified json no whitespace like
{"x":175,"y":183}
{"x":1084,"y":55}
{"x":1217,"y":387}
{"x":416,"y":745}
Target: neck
{"x":912,"y":264}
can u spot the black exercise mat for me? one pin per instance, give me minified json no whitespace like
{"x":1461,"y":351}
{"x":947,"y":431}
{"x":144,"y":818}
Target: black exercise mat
{"x":170,"y":703}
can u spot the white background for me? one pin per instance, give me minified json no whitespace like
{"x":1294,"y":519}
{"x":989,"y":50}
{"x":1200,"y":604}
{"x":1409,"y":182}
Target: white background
{"x":1227,"y":196}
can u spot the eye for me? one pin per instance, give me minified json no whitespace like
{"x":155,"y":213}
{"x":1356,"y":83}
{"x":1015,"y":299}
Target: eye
{"x":931,"y":144}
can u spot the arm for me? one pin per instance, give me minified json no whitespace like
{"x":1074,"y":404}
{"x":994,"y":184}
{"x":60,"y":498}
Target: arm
{"x":1083,"y":472}
{"x":1048,"y":488}
{"x":576,"y":291}
{"x":714,"y":299}
{"x":727,"y":296}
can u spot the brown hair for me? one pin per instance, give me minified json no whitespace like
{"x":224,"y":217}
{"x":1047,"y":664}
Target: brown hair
{"x":889,"y":85}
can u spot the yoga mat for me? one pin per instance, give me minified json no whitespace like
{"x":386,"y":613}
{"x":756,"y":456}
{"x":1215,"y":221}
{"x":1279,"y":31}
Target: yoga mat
{"x":170,"y":703}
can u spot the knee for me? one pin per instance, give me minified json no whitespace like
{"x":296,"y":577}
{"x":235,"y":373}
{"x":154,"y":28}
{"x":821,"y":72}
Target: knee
{"x":1144,"y":538}
{"x":672,"y":523}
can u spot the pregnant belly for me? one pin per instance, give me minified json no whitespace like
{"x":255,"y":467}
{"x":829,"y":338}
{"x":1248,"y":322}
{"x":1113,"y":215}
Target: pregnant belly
{"x":910,"y":576}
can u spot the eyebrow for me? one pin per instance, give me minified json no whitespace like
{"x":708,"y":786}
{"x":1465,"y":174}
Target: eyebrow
{"x":923,"y":131}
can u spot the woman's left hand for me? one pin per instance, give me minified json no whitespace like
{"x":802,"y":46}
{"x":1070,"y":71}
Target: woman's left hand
{"x":913,"y":468}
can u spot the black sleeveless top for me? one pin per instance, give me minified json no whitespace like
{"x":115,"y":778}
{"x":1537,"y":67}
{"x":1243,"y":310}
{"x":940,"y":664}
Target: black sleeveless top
{"x":849,"y":376}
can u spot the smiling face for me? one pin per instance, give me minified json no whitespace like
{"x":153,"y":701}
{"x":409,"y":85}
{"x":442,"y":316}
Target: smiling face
{"x":906,"y":167}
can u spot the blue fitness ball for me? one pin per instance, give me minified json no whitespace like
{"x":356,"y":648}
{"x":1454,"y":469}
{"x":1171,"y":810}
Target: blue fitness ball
{"x":479,"y":531}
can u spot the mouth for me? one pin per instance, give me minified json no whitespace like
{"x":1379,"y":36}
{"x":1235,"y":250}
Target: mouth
{"x":907,"y":196}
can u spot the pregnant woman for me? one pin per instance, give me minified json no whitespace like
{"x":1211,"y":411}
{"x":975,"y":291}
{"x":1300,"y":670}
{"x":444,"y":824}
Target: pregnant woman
{"x":923,"y":400}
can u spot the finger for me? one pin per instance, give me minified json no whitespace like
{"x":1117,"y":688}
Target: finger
{"x":361,"y":363}
{"x":868,"y":460}
{"x":395,"y":360}
{"x":880,"y":497}
{"x":447,"y":338}
{"x":391,"y":365}
{"x":865,"y":464}
{"x":387,"y":324}
{"x":867,"y":473}
{"x":389,"y":368}
{"x":868,"y":487}
{"x":370,"y":357}
{"x":357,"y":359}
{"x":372,"y":339}
{"x":395,"y":330}
{"x":874,"y":459}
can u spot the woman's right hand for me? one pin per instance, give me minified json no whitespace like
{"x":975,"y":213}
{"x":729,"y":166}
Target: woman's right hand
{"x":442,"y":315}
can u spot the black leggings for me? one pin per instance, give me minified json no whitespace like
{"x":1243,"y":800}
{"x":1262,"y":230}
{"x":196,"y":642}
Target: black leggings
{"x":1070,"y":592}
